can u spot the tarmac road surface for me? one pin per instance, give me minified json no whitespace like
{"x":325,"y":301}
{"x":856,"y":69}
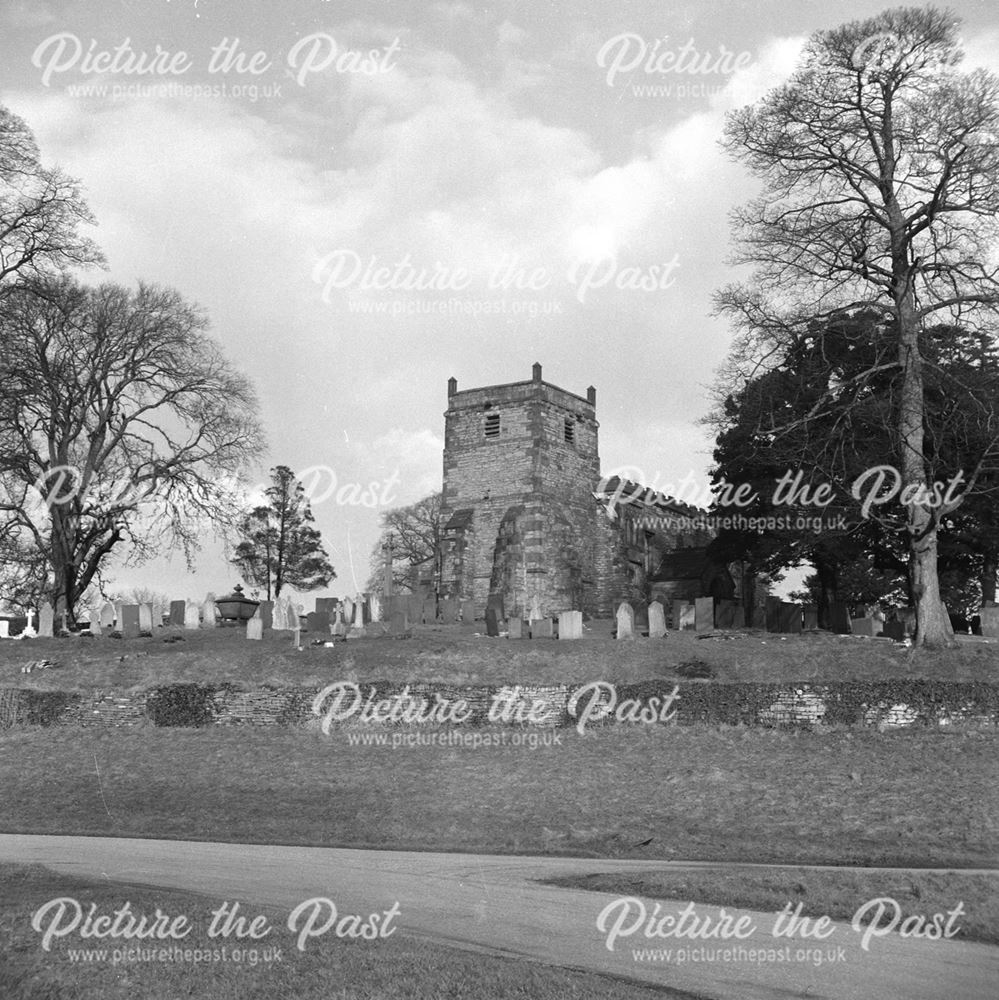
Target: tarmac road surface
{"x":495,"y":904}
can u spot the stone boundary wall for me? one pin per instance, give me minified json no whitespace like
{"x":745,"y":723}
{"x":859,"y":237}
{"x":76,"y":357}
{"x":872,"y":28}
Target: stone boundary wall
{"x":884,"y":704}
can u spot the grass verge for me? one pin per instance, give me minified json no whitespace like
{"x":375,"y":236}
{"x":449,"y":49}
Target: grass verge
{"x":329,"y":969}
{"x":909,"y":798}
{"x":837,"y":894}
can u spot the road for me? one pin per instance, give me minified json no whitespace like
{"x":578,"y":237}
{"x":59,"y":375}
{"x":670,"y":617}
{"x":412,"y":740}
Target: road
{"x":494,"y":903}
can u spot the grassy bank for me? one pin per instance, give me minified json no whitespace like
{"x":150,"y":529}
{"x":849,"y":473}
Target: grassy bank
{"x":457,"y":655}
{"x":837,"y":894}
{"x":906,"y":798}
{"x":392,"y":968}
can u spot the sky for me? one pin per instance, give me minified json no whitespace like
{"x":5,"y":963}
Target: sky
{"x":371,"y":197}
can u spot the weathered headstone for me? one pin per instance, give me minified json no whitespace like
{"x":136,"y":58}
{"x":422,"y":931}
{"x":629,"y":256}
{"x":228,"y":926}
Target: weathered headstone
{"x":107,"y":616}
{"x":862,"y":626}
{"x":358,"y":612}
{"x":46,"y":621}
{"x":676,"y":614}
{"x":570,"y":625}
{"x":266,"y":611}
{"x":894,"y":630}
{"x":704,"y":614}
{"x":146,"y":618}
{"x":989,"y":615}
{"x":208,"y":611}
{"x":178,"y":609}
{"x":95,"y":621}
{"x":625,"y":618}
{"x":449,"y":611}
{"x":657,"y":620}
{"x":326,"y":605}
{"x":398,"y":622}
{"x":348,"y":610}
{"x":839,"y":617}
{"x":517,"y":628}
{"x":492,"y":621}
{"x":773,"y":614}
{"x":727,"y":613}
{"x":255,"y":627}
{"x":542,"y":628}
{"x":468,"y":611}
{"x":130,"y":621}
{"x":317,"y":622}
{"x":375,"y":604}
{"x":339,"y":626}
{"x":192,"y":615}
{"x":688,"y":616}
{"x":811,"y":617}
{"x":790,"y":617}
{"x":279,"y":615}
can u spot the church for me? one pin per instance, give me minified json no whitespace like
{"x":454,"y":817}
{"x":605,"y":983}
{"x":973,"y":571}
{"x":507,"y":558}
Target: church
{"x":528,"y":520}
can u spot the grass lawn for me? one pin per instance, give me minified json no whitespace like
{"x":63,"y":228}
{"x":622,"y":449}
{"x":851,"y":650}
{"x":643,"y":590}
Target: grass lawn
{"x":837,"y":894}
{"x":916,"y":797}
{"x":392,"y":968}
{"x":455,"y":654}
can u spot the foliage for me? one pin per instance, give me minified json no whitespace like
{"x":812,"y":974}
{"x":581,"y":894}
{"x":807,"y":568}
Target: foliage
{"x":124,"y":421}
{"x":410,"y":538}
{"x":280,"y":547}
{"x":878,"y":161}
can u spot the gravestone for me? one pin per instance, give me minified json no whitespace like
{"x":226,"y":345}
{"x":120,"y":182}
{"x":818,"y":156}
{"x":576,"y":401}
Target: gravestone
{"x":95,"y":621}
{"x":517,"y":628}
{"x":677,"y":614}
{"x":208,"y":611}
{"x":192,"y":615}
{"x":773,"y":614}
{"x":325,"y":606}
{"x":339,"y":626}
{"x":492,"y":621}
{"x":811,"y":617}
{"x":130,"y":621}
{"x":365,"y":601}
{"x":895,"y":630}
{"x":398,"y":622}
{"x":159,"y":613}
{"x":790,"y":618}
{"x":449,"y":611}
{"x":727,"y":613}
{"x":862,"y":626}
{"x":146,"y":618}
{"x":255,"y":627}
{"x":467,"y":611}
{"x":375,"y":604}
{"x":29,"y":629}
{"x":625,"y":621}
{"x":46,"y":621}
{"x":688,"y":616}
{"x":358,"y":612}
{"x":177,"y":611}
{"x":317,"y":621}
{"x":989,"y":615}
{"x":414,"y":608}
{"x":704,"y":614}
{"x":266,"y":611}
{"x":839,"y":617}
{"x":348,"y":610}
{"x":279,"y":616}
{"x":570,"y":625}
{"x":657,"y":621}
{"x":542,"y":628}
{"x":107,"y":616}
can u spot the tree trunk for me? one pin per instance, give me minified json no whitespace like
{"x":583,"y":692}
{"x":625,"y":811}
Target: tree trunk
{"x":933,"y":627}
{"x":828,"y":585}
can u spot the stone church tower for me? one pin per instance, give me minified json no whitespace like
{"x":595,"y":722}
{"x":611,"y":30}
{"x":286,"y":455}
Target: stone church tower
{"x":518,"y":511}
